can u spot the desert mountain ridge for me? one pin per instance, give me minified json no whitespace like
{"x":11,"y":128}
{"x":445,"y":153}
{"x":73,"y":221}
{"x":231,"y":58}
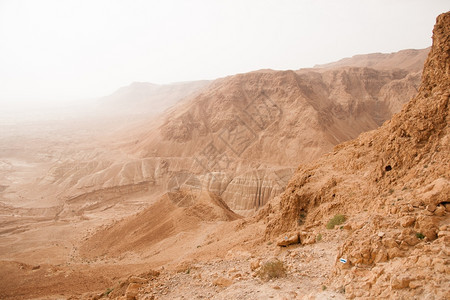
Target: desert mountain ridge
{"x":148,"y":98}
{"x":240,"y":137}
{"x":243,"y":135}
{"x":157,"y":211}
{"x":408,"y":59}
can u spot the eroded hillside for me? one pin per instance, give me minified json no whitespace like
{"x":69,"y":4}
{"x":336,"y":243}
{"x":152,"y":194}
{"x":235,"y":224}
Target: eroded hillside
{"x":241,"y":137}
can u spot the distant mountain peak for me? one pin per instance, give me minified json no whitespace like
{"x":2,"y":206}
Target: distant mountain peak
{"x":409,"y":59}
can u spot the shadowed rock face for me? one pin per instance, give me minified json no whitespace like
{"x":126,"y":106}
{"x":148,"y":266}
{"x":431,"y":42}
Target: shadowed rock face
{"x":393,"y":186}
{"x":252,"y":190}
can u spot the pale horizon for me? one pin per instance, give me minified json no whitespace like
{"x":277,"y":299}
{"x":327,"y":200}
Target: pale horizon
{"x":58,"y":51}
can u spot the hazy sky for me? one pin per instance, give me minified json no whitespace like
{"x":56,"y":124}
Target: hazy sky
{"x":65,"y":50}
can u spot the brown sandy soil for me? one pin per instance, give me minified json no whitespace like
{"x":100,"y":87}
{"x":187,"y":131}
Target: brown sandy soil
{"x":190,"y":263}
{"x":34,"y":229}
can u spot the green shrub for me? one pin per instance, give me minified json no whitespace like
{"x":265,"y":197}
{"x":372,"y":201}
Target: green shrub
{"x":272,"y":269}
{"x":336,"y":220}
{"x":107,"y":292}
{"x":420,"y":236}
{"x":319,"y":237}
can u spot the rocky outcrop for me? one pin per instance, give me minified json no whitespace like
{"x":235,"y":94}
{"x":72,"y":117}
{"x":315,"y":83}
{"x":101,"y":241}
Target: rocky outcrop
{"x":243,"y":193}
{"x":252,"y":190}
{"x":393,"y":184}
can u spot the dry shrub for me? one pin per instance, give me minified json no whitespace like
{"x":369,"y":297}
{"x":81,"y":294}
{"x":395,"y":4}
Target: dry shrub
{"x":273,"y":268}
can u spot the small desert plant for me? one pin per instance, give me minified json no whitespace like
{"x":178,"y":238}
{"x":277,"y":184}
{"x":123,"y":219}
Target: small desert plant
{"x":274,"y":268}
{"x":319,"y":237}
{"x":324,"y":287}
{"x":420,"y":236}
{"x":107,"y":292}
{"x":336,"y":220}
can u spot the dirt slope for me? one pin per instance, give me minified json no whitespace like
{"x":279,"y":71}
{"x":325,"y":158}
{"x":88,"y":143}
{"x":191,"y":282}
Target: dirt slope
{"x":175,"y":212}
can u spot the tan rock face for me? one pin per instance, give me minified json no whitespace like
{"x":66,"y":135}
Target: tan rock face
{"x":289,"y":239}
{"x":400,"y":282}
{"x":255,"y":264}
{"x":252,"y":190}
{"x":132,"y":291}
{"x":223,"y":282}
